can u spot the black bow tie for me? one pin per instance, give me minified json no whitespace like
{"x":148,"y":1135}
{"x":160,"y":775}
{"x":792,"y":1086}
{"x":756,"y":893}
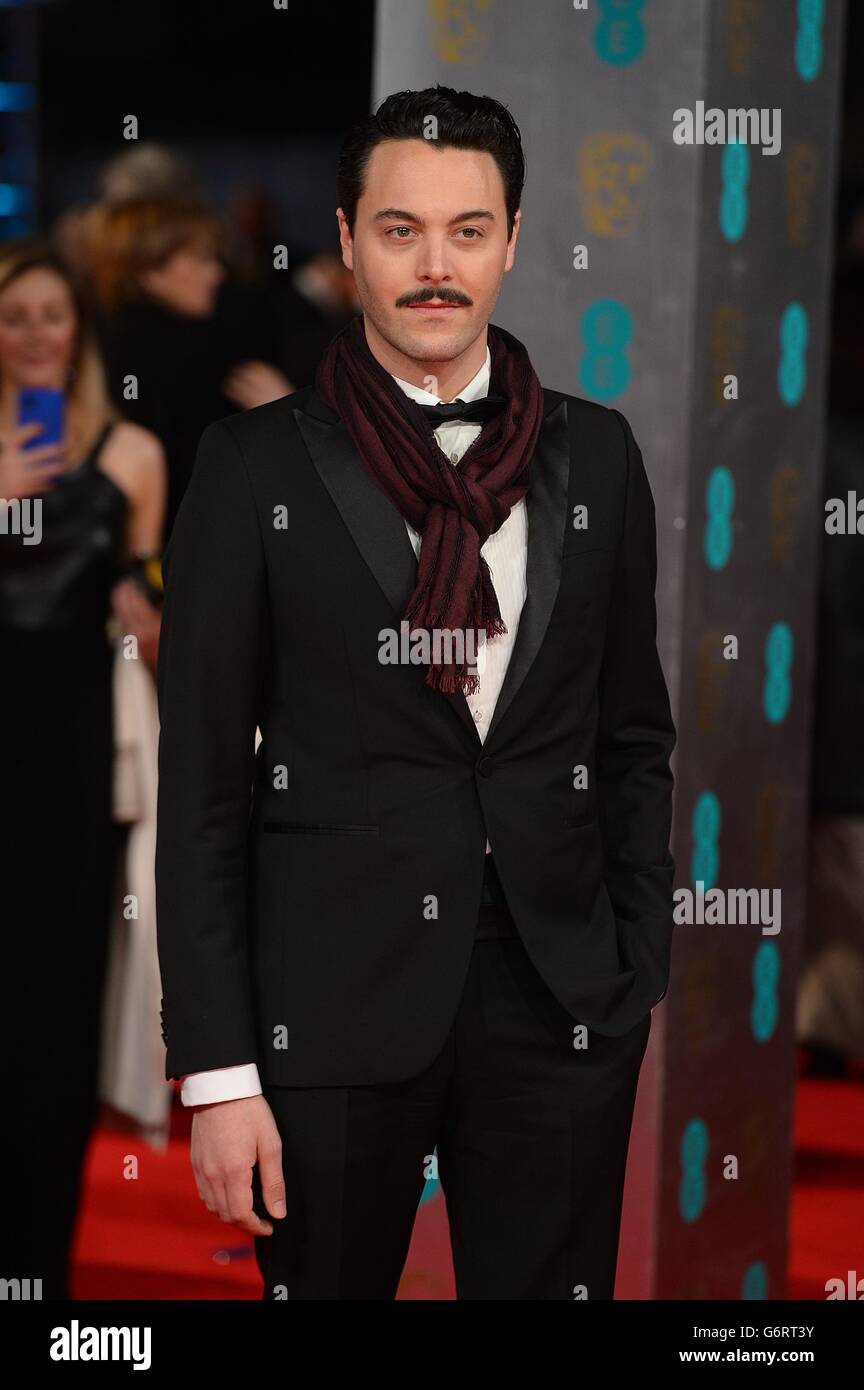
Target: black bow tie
{"x":475,"y":412}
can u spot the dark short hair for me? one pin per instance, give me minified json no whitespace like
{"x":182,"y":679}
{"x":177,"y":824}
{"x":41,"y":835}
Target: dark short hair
{"x":464,"y":122}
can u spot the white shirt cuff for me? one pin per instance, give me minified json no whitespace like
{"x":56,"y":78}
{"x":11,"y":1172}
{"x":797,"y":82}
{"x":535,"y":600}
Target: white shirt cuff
{"x":221,"y":1083}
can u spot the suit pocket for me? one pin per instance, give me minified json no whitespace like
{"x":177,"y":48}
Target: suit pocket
{"x":289,"y":827}
{"x":586,"y":575}
{"x":578,"y":552}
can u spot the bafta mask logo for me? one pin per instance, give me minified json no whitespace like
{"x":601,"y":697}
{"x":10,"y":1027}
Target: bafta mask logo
{"x":461,"y":29}
{"x":612,"y":169}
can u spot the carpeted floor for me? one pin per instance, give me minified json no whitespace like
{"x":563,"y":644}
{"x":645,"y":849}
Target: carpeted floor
{"x":145,"y":1234}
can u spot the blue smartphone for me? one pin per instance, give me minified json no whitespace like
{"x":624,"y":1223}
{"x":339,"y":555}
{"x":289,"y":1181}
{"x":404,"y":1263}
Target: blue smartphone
{"x":45,"y":406}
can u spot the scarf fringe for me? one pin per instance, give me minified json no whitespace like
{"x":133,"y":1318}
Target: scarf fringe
{"x":450,"y":680}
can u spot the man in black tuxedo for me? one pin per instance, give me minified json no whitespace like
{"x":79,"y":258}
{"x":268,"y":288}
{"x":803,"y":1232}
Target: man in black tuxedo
{"x":432,"y":913}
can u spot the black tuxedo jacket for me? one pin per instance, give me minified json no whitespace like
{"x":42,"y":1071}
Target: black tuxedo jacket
{"x":316,"y":902}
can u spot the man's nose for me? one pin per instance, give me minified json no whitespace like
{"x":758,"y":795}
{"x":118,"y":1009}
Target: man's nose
{"x":433,"y":265}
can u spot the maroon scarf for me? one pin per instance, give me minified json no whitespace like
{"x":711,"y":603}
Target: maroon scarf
{"x":454,"y":508}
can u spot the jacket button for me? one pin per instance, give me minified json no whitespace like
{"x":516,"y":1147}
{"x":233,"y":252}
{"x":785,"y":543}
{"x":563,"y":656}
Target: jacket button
{"x":486,"y":767}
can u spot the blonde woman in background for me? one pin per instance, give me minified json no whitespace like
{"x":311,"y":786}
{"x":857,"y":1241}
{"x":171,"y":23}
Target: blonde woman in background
{"x":102,"y":499}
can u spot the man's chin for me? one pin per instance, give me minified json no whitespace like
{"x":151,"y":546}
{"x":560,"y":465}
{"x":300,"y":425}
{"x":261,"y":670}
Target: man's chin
{"x":433,"y":341}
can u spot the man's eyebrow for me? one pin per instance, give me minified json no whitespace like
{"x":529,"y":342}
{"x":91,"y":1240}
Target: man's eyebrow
{"x":474,"y":214}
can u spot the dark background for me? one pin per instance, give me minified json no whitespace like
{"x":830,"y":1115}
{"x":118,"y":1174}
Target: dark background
{"x":248,"y":93}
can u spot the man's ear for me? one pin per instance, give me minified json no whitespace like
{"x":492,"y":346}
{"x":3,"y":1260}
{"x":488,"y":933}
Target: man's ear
{"x":345,"y":240}
{"x":511,"y":245}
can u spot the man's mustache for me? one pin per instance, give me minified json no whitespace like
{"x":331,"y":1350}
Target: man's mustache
{"x":447,"y":296}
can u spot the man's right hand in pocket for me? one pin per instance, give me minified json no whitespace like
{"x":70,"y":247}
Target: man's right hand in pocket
{"x":228,"y":1138}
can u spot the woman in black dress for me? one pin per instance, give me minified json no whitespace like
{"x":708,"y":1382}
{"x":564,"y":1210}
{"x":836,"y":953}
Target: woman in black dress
{"x":73,"y":519}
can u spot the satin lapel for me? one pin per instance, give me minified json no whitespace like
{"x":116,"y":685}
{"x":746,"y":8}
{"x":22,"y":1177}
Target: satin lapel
{"x":377,"y":528}
{"x":546,"y":504}
{"x":379,"y":531}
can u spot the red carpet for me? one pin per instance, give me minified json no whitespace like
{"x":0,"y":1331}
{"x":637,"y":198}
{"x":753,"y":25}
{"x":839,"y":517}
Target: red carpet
{"x":827,"y":1217}
{"x":151,"y":1237}
{"x":145,"y":1234}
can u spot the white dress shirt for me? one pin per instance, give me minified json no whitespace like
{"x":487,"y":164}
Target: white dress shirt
{"x":505,"y":552}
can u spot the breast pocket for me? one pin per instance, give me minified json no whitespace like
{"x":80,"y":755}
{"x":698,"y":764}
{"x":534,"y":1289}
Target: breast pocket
{"x":586,"y":574}
{"x":288,"y":827}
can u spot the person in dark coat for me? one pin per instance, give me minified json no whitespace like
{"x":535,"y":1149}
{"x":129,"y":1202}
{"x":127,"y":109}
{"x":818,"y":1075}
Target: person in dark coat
{"x":182,"y":345}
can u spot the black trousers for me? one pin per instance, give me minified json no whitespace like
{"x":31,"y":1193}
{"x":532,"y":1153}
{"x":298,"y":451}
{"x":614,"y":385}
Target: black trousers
{"x":531,"y":1137}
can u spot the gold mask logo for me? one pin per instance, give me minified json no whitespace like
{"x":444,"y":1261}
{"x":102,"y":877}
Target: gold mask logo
{"x":802,"y":190}
{"x":612,"y":168}
{"x":461,"y":29}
